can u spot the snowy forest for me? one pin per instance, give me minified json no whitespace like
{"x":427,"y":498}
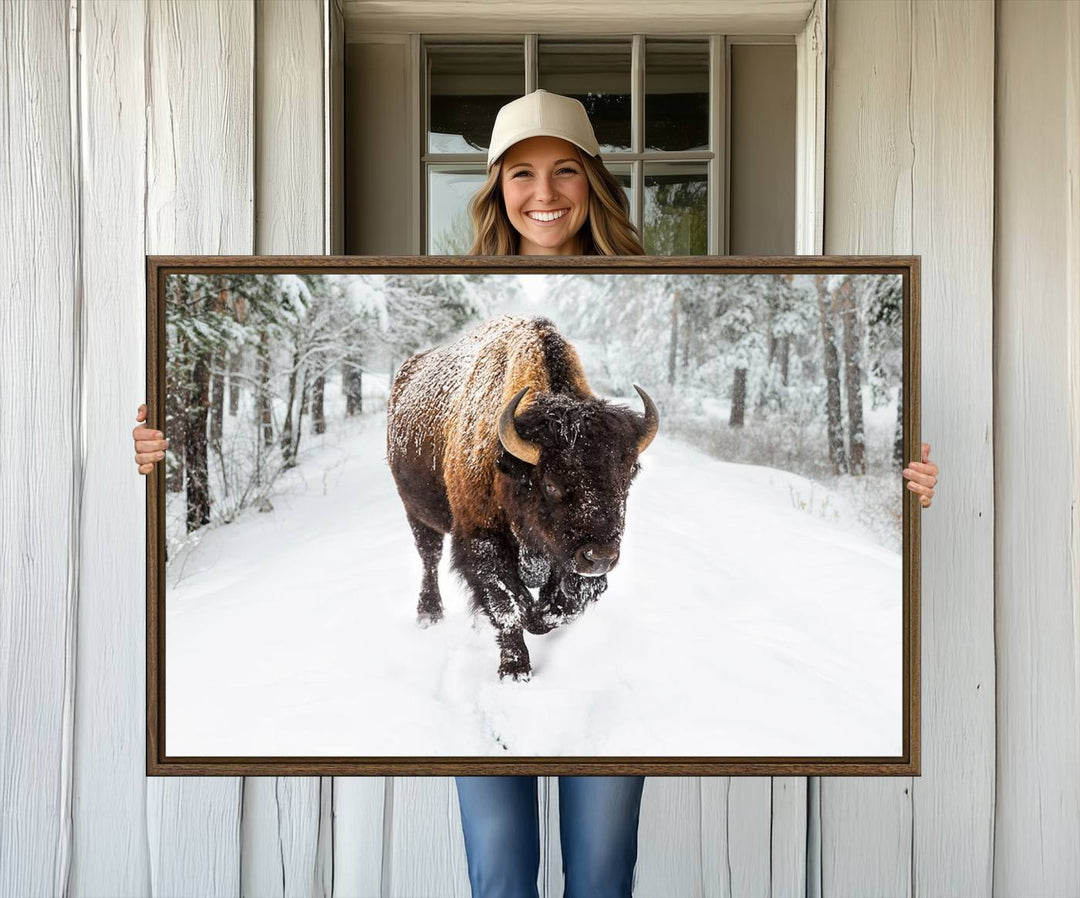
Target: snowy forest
{"x":800,"y":372}
{"x":767,"y":511}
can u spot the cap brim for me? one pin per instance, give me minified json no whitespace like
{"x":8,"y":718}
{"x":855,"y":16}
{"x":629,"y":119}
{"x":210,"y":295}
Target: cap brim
{"x":494,"y":153}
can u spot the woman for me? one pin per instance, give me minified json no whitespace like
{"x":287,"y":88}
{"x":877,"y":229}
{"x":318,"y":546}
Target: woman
{"x":547,"y":193}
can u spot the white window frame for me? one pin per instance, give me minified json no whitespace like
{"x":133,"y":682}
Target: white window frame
{"x":810,"y":120}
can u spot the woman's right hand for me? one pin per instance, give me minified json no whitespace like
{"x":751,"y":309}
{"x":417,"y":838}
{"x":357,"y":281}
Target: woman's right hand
{"x":150,"y":445}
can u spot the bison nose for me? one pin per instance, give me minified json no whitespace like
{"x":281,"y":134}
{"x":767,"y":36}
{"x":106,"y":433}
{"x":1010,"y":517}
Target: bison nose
{"x":593,"y":559}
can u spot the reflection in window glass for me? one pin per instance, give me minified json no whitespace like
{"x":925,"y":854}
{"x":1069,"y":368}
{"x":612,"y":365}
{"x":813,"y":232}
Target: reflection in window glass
{"x":467,"y":84}
{"x":597,"y":74}
{"x":449,"y":191}
{"x":622,"y":175}
{"x":676,"y":95}
{"x":676,"y":209}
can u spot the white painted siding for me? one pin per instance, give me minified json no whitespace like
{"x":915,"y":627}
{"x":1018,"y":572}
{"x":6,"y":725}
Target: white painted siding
{"x":40,"y":443}
{"x":134,"y":127}
{"x":109,"y":850}
{"x":1036,"y":839}
{"x":909,"y":148}
{"x":200,"y":198}
{"x":285,"y":847}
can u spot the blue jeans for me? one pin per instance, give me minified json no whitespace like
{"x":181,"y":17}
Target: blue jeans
{"x":598,"y":821}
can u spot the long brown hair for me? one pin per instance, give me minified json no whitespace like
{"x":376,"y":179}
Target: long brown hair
{"x":607,"y":231}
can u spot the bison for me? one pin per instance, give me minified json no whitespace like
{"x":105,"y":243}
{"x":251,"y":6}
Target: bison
{"x":498,"y":440}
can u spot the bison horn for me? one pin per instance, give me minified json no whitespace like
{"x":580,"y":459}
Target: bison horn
{"x":652,"y":420}
{"x":510,"y":438}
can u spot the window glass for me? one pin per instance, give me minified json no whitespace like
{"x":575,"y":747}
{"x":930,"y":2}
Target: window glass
{"x":676,"y":95}
{"x":597,"y":74}
{"x":467,"y":84}
{"x":676,"y":209}
{"x":623,"y":175}
{"x":449,"y":190}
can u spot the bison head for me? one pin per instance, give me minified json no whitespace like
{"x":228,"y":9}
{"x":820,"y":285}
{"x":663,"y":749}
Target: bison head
{"x":567,"y":466}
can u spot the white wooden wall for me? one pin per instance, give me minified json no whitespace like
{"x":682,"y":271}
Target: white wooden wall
{"x":160,"y":127}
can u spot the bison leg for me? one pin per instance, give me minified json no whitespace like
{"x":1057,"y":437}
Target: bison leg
{"x":546,"y":612}
{"x":562,"y":599}
{"x":489,"y":566}
{"x":429,"y":543}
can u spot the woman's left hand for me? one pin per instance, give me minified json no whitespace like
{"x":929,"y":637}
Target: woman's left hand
{"x":922,"y":477}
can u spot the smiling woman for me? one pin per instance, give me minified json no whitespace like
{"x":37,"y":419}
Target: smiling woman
{"x":547,"y":190}
{"x":546,"y":195}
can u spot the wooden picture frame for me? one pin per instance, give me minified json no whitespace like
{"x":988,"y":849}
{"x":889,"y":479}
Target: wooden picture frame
{"x":872,"y":298}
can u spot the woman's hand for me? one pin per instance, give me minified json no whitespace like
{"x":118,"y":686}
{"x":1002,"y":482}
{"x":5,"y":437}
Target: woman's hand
{"x":150,"y":445}
{"x":922,"y":477}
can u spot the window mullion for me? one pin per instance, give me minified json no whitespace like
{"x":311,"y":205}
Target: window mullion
{"x":532,"y":57}
{"x":637,"y":129}
{"x":717,"y":185}
{"x":725,"y":147}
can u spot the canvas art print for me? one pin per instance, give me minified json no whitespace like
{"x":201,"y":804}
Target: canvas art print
{"x":442,"y":516}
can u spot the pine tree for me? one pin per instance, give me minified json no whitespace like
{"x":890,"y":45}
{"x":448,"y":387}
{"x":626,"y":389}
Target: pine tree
{"x":832,"y":375}
{"x":853,"y":378}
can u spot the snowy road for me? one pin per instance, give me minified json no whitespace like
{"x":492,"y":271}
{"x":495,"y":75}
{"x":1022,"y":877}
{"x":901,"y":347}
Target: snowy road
{"x":734,"y":624}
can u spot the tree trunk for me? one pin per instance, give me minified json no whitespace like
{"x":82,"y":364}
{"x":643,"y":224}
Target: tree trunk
{"x":687,"y":334}
{"x":234,"y":384}
{"x":738,"y":398}
{"x":262,"y":399}
{"x":304,"y":399}
{"x":898,"y":443}
{"x":832,"y":378}
{"x":318,"y":417}
{"x":674,"y":348}
{"x":853,"y":380}
{"x":287,"y":427}
{"x":353,"y":383}
{"x":217,"y":400}
{"x":216,"y":384}
{"x":174,"y":422}
{"x":785,"y":354}
{"x":198,"y":475}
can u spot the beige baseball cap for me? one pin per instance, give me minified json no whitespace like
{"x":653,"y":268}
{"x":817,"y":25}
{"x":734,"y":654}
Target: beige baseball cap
{"x":541,"y":114}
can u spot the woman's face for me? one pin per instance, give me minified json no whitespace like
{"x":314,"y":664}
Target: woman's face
{"x":546,"y":195}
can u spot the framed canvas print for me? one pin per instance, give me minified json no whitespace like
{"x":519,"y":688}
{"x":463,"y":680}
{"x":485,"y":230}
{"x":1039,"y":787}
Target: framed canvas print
{"x":445,"y":515}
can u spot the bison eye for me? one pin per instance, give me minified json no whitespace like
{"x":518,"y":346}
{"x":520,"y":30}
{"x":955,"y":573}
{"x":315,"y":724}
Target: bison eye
{"x":551,"y":490}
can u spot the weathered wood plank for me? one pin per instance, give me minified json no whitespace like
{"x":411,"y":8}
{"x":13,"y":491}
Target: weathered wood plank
{"x":669,"y":838}
{"x":737,"y":837}
{"x":788,"y":847}
{"x":952,"y":125}
{"x":715,"y":846}
{"x":360,"y":818}
{"x":280,"y":832}
{"x":865,"y":837}
{"x":425,"y":852}
{"x":909,"y":169}
{"x":750,"y":839}
{"x":40,"y":433}
{"x":1037,"y":456}
{"x":110,"y":734}
{"x":280,"y":837}
{"x":199,"y":199}
{"x":290,"y":162}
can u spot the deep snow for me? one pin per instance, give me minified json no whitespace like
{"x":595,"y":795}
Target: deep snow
{"x":735,"y":624}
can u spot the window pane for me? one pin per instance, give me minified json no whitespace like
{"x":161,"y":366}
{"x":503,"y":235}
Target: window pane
{"x":449,"y":191}
{"x":597,"y":74}
{"x":676,"y":209}
{"x":622,"y":174}
{"x":676,"y":95}
{"x":466,"y":86}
